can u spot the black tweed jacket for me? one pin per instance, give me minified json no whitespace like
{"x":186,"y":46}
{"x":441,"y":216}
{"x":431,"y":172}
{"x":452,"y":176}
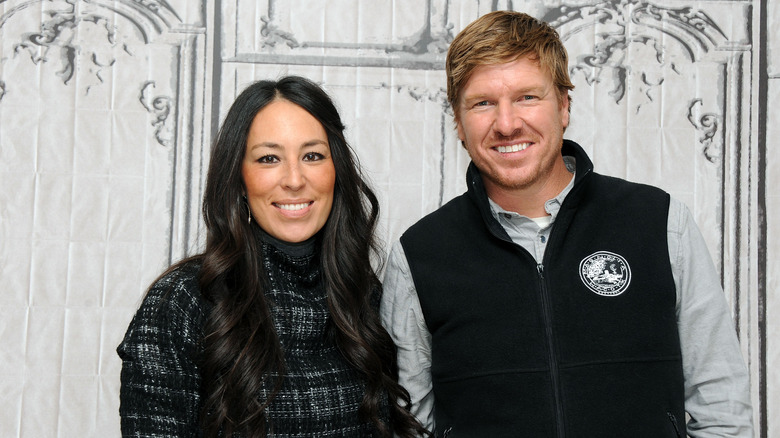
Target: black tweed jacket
{"x":160,"y":382}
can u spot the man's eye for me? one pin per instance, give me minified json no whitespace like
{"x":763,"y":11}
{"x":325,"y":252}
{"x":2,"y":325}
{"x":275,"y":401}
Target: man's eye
{"x":482,"y":103}
{"x":529,"y":97}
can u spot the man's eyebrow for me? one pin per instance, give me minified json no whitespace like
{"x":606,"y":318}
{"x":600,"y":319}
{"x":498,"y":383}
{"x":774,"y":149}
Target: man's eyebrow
{"x":535,"y":88}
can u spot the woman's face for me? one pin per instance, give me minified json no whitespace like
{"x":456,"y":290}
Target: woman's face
{"x":288,"y":172}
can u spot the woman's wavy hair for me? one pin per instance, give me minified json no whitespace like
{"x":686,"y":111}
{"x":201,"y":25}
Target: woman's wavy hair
{"x":241,"y":349}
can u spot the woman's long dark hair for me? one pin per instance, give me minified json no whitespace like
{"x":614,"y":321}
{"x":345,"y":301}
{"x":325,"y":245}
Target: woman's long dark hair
{"x":241,"y":349}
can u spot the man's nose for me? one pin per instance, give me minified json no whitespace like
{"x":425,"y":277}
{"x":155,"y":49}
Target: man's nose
{"x":508,"y":119}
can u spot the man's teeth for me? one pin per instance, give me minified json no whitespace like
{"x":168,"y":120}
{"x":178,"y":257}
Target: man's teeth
{"x":513,"y":148}
{"x":293,"y":207}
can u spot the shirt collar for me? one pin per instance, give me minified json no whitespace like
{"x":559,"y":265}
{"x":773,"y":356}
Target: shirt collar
{"x":551,"y":206}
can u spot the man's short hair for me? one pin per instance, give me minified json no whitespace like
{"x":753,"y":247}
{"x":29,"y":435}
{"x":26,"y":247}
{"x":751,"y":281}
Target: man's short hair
{"x":504,"y":36}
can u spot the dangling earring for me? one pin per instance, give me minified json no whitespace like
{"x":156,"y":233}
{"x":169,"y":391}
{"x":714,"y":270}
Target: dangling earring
{"x":249,"y":210}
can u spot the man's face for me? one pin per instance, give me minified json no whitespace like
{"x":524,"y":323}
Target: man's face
{"x":511,"y":121}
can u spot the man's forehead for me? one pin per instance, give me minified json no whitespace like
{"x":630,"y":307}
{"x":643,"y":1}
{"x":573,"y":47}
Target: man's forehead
{"x":510,"y":76}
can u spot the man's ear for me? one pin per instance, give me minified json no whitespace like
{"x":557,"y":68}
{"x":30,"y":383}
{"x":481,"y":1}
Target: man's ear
{"x":565,"y":111}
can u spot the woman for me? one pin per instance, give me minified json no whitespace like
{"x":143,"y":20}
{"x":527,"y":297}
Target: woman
{"x":272,"y":330}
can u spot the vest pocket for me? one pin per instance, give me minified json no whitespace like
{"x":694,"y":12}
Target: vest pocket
{"x":673,"y":420}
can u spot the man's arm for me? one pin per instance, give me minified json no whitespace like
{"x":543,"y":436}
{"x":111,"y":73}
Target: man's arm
{"x":403,"y":319}
{"x":717,"y":387}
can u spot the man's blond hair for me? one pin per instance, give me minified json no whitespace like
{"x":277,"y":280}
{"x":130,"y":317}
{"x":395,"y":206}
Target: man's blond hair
{"x":504,"y":36}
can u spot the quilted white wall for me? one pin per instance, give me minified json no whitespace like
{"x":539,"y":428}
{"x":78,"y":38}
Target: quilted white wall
{"x":107,"y":108}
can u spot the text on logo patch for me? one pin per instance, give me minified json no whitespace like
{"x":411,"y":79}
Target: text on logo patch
{"x":605,"y":273}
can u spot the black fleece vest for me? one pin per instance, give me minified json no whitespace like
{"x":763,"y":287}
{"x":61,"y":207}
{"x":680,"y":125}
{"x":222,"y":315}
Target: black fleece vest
{"x":583,"y":345}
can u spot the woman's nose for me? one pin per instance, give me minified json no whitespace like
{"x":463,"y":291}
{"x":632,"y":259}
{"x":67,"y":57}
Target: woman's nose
{"x":293,"y":177}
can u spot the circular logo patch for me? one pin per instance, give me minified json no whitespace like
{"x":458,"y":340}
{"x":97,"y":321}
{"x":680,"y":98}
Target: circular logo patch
{"x":605,"y":273}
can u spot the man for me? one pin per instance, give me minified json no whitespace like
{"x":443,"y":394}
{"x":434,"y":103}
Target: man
{"x":549,"y":300}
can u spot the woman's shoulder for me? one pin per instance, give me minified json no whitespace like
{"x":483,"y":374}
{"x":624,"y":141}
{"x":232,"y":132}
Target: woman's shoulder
{"x":181,"y":277}
{"x":174,"y":298}
{"x":172,"y":313}
{"x":178,"y":287}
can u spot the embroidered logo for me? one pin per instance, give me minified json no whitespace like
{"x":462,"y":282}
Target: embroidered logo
{"x":605,"y":273}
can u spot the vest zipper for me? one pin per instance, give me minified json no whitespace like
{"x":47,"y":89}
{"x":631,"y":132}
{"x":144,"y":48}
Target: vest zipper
{"x":551,"y":351}
{"x":673,"y":419}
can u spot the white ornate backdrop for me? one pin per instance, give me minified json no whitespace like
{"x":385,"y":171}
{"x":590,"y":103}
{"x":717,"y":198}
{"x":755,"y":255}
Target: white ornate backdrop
{"x":107,"y":109}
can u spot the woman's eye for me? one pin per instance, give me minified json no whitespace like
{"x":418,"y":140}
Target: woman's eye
{"x":313,"y":156}
{"x":268,"y":159}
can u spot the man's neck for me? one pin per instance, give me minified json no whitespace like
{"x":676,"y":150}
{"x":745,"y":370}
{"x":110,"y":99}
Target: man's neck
{"x":530,"y":201}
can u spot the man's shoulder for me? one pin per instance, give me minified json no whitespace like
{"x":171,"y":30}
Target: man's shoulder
{"x":610,"y":185}
{"x":450,"y":211}
{"x":446,"y":230}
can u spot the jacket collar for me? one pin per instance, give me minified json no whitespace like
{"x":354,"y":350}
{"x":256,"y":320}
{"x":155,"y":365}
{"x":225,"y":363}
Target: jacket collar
{"x":477,"y":193}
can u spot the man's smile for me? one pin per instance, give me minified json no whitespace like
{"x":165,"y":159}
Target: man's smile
{"x":512,"y":148}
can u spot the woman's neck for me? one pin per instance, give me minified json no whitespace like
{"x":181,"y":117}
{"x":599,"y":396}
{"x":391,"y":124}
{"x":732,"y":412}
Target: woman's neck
{"x":294,"y":249}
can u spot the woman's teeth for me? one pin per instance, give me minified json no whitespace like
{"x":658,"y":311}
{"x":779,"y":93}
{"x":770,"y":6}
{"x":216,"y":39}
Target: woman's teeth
{"x":293,"y":207}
